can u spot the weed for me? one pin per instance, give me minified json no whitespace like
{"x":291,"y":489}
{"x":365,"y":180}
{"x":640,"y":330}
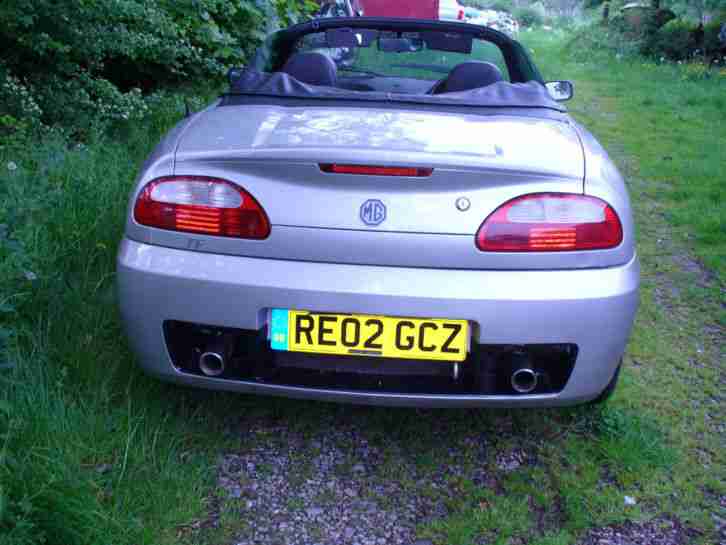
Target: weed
{"x":88,"y":445}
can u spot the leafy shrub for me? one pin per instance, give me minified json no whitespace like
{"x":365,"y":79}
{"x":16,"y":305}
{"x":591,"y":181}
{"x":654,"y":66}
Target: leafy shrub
{"x":594,"y":41}
{"x":675,"y":41}
{"x":681,"y":40}
{"x":74,"y":64}
{"x":711,"y":42}
{"x":528,"y":17}
{"x":290,"y":12}
{"x":502,"y":5}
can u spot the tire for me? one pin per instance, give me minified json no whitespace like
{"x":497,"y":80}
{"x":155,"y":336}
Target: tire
{"x":609,"y":389}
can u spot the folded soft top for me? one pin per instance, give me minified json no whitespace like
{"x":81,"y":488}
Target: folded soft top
{"x":497,"y":95}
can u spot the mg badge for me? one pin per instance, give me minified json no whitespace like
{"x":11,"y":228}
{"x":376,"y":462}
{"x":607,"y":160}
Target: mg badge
{"x":373,"y":212}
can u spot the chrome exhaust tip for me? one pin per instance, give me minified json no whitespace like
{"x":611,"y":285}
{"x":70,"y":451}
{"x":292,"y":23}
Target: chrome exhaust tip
{"x":524,"y":380}
{"x":211,"y":364}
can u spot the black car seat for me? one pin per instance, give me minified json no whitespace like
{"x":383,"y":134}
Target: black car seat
{"x":468,"y":75}
{"x":312,"y":68}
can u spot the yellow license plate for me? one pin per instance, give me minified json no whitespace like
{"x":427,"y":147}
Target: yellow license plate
{"x":369,"y":335}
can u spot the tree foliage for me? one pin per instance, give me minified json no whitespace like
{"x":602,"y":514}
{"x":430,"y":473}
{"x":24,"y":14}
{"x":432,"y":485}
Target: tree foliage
{"x":528,"y":17}
{"x":290,"y":12}
{"x":75,"y":62}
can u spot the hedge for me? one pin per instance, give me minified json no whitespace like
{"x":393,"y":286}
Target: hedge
{"x":75,"y":63}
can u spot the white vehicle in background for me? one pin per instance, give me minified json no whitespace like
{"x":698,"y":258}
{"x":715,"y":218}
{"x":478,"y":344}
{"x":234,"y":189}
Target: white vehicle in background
{"x":451,"y":10}
{"x":473,"y":13}
{"x":498,"y":20}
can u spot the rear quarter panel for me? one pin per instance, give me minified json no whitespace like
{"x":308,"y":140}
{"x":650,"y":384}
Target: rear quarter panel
{"x":603,"y":180}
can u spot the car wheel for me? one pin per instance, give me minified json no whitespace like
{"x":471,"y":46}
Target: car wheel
{"x":609,"y":389}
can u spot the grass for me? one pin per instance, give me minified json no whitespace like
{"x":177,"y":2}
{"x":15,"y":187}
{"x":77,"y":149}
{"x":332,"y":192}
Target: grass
{"x":668,"y":118}
{"x":92,"y":451}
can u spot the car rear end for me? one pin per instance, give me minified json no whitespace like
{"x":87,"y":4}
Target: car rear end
{"x":382,"y":257}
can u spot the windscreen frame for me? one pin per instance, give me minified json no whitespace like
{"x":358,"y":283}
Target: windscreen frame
{"x":280,"y":45}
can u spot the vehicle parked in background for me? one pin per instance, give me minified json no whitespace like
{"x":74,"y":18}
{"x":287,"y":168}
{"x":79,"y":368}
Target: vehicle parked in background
{"x":472,"y":13}
{"x":339,"y":8}
{"x":451,"y":10}
{"x":414,"y":9}
{"x":424,"y":226}
{"x":498,"y":20}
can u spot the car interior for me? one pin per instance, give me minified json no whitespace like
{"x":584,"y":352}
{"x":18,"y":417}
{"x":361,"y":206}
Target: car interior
{"x":315,"y":68}
{"x":392,"y":61}
{"x":410,"y":62}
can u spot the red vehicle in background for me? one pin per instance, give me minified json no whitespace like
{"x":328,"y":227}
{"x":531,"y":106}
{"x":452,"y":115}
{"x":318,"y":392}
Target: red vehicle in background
{"x":445,"y":10}
{"x":418,"y":9}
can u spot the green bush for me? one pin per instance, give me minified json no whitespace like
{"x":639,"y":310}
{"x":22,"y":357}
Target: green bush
{"x":675,"y":40}
{"x":711,"y":42}
{"x":502,"y":5}
{"x":680,"y":40}
{"x":77,"y":63}
{"x":528,"y":17}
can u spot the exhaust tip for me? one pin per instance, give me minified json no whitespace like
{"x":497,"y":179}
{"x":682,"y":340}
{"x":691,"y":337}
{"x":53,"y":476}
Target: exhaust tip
{"x":524,"y":380}
{"x":211,"y":364}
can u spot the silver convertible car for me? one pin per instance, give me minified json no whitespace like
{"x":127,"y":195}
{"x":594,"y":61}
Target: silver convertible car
{"x":383,"y":211}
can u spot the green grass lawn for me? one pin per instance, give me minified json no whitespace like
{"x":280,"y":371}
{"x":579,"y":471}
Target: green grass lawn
{"x":93,"y":451}
{"x":668,"y":119}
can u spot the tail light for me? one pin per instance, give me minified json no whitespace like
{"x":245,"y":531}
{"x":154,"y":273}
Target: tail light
{"x":550,"y":222}
{"x":200,"y":204}
{"x":373,"y":170}
{"x":460,"y":17}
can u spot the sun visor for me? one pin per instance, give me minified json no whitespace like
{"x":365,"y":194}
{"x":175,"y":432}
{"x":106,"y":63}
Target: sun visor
{"x":452,"y":42}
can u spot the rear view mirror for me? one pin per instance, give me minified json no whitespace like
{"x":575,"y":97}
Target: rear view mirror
{"x":347,"y":37}
{"x":399,"y":45}
{"x":560,"y":90}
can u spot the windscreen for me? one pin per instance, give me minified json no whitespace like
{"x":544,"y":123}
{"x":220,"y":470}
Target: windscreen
{"x":421,"y":62}
{"x":421,"y":55}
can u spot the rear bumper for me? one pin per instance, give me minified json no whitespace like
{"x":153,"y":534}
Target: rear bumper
{"x":592,"y":308}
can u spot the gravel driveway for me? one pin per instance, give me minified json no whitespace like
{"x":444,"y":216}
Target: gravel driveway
{"x":340,"y":485}
{"x":353,"y":478}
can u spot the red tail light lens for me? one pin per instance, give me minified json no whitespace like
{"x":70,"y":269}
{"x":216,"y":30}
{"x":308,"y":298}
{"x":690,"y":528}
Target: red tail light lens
{"x":200,"y":204}
{"x":550,"y":222}
{"x":376,"y":170}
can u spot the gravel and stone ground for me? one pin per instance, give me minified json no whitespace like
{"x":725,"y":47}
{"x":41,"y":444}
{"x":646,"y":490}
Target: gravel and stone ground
{"x":338,"y":487}
{"x":349,"y":480}
{"x":656,"y":532}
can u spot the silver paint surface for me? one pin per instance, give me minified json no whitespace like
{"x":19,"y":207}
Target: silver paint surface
{"x":420,"y":261}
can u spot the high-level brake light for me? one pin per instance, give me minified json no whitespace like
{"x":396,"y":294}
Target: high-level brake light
{"x":374,"y":170}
